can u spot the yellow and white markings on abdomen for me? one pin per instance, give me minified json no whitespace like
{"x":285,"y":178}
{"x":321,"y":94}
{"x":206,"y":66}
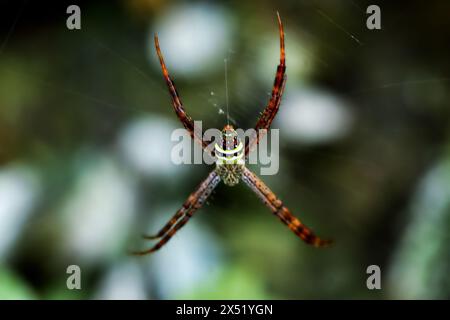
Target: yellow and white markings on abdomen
{"x":230,"y":161}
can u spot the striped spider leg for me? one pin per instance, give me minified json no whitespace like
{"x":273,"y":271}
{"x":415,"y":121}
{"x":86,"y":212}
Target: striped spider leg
{"x":272,"y":107}
{"x":278,"y":209}
{"x":185,"y":119}
{"x":182,"y":216}
{"x":263,"y":124}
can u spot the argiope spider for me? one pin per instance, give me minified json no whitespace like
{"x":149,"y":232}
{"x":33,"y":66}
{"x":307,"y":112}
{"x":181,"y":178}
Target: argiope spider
{"x":230,"y":164}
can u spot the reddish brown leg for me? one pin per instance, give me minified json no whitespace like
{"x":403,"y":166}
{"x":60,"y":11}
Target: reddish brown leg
{"x":181,"y":212}
{"x":283,"y":213}
{"x":193,"y":197}
{"x":192,"y":204}
{"x":271,"y":109}
{"x":185,"y":119}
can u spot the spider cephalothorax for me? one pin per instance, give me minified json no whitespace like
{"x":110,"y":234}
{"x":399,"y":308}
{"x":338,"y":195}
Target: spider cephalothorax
{"x":230,"y":165}
{"x":230,"y":156}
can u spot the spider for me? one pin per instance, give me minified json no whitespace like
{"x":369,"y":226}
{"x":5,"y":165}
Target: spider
{"x":230,"y":165}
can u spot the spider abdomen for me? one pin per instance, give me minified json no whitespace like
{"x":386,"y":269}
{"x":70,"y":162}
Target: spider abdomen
{"x":230,"y":173}
{"x":230,"y":156}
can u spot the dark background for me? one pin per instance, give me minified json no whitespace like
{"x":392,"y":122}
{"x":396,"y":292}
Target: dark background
{"x":85,"y":125}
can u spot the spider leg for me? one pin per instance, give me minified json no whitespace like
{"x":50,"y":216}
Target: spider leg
{"x":190,"y":201}
{"x":283,"y":213}
{"x":178,"y":215}
{"x":192,"y":204}
{"x":272,"y":107}
{"x":185,"y":119}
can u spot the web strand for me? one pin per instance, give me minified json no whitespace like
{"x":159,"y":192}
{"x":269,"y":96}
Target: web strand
{"x":226,"y":89}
